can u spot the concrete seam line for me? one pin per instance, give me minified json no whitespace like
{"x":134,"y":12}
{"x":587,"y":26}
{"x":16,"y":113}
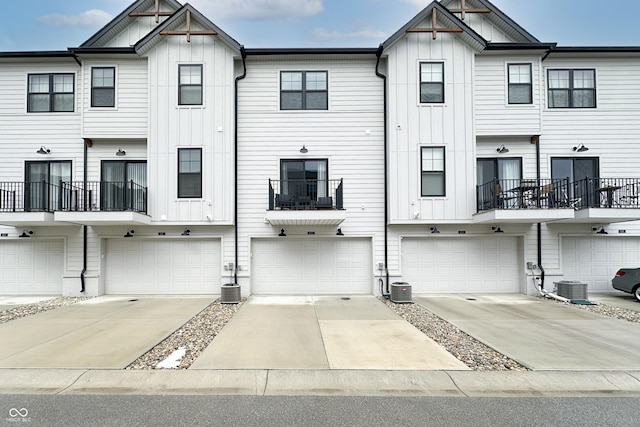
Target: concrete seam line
{"x":266,"y":383}
{"x":456,"y":384}
{"x":73,"y":383}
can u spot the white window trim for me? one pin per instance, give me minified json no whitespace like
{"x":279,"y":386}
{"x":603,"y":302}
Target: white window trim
{"x":303,"y":70}
{"x":116,"y":82}
{"x":533,"y":104}
{"x":177,"y":87}
{"x":446,"y":77}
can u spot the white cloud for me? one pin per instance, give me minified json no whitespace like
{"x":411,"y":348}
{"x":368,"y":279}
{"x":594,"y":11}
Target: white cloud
{"x":363,"y":33}
{"x":90,"y":18}
{"x":259,"y":10}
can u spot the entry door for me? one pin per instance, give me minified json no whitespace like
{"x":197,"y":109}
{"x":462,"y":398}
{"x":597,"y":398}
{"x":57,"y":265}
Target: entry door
{"x":42,"y":184}
{"x":123,"y":184}
{"x":578,"y":169}
{"x":304,"y":179}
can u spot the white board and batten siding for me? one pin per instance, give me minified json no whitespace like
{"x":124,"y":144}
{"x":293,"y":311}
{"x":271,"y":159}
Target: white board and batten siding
{"x":415,"y":125}
{"x":208,"y":126}
{"x":349,"y":135}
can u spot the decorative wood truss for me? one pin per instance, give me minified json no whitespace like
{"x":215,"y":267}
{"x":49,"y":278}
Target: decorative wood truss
{"x":156,"y":13}
{"x":188,"y":32}
{"x":464,"y":10}
{"x":434,"y":28}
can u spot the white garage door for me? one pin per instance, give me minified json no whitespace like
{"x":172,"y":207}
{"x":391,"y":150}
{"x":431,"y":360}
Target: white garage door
{"x":595,"y":260}
{"x":181,"y":267}
{"x":31,"y":267}
{"x":487,"y":264}
{"x":314,"y":266}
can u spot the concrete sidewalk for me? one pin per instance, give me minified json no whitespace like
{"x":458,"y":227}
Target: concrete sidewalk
{"x":322,"y":332}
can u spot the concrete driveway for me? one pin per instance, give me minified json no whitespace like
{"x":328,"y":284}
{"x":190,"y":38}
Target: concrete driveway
{"x":540,"y":334}
{"x":102,"y":333}
{"x":616,"y":299}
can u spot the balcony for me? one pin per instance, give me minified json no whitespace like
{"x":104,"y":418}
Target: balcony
{"x":588,"y":200}
{"x":306,"y":202}
{"x":99,"y":203}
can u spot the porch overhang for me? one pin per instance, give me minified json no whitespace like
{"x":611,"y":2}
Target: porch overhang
{"x":103,"y":218}
{"x":522,"y":216}
{"x":605,"y":215}
{"x":27,"y":219}
{"x":305,"y":217}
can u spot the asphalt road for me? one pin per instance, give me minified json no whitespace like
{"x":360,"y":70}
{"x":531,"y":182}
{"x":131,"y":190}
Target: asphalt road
{"x":125,"y":410}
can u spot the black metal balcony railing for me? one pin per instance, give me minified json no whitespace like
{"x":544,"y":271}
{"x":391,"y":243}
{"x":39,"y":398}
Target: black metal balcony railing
{"x":104,"y":196}
{"x":559,"y":193}
{"x":305,"y":194}
{"x":72,"y":196}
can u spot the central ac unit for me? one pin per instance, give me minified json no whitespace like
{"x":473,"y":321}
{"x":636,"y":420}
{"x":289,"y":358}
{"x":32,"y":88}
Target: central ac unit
{"x":401,"y":292}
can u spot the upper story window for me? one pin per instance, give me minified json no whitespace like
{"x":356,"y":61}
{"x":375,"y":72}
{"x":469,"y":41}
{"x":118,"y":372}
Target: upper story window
{"x":103,"y":87}
{"x":433,"y":173}
{"x":572,"y":88}
{"x":520,"y":84}
{"x":190,"y":172}
{"x":190,"y":85}
{"x":304,"y":90}
{"x":431,"y":82}
{"x":50,"y":93}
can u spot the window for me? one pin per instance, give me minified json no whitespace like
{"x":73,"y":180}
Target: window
{"x":50,"y":93}
{"x":103,"y":87}
{"x":304,"y":179}
{"x":431,"y":82}
{"x":520,"y":87}
{"x":190,"y":85}
{"x":579,"y":173}
{"x":123,"y":185}
{"x":508,"y":171}
{"x":304,"y":90}
{"x":432,"y":165}
{"x":42,"y":184}
{"x":572,"y":88}
{"x":189,"y":172}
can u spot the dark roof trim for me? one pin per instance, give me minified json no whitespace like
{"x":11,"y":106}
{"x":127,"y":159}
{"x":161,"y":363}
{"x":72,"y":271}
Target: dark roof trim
{"x":597,"y":49}
{"x":102,"y":50}
{"x":520,"y":46}
{"x":311,"y":51}
{"x":38,"y":54}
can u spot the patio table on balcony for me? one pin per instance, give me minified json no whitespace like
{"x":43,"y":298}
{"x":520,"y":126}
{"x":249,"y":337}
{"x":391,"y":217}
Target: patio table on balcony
{"x":609,"y":191}
{"x":522,"y":192}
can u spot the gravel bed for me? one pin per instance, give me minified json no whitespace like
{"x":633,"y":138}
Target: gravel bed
{"x":467,"y":349}
{"x":194,"y":336}
{"x":606,"y":310}
{"x":38,"y":307}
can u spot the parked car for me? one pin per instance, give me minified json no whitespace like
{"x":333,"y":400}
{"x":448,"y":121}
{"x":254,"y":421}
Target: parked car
{"x":628,"y":280}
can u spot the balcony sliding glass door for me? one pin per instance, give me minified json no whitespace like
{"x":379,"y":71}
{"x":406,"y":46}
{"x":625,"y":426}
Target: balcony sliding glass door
{"x":122,"y":185}
{"x":42,"y":184}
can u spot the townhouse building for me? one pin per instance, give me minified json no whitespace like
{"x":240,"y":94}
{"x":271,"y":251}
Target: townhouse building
{"x":462,"y":155}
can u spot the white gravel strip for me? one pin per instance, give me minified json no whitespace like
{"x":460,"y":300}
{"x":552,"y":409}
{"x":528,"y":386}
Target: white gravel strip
{"x":194,"y":336}
{"x":37,"y":307}
{"x":607,"y":310}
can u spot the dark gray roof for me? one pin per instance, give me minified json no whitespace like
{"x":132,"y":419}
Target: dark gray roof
{"x":178,"y":19}
{"x":443,"y":14}
{"x":124,"y":19}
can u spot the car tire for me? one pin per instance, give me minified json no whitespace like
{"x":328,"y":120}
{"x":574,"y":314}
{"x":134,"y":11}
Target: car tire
{"x":636,"y":293}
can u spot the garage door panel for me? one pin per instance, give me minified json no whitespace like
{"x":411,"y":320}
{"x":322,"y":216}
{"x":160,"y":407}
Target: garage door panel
{"x":318,"y":266}
{"x":162,"y":266}
{"x":461,"y":265}
{"x":31,"y":267}
{"x":594,"y":260}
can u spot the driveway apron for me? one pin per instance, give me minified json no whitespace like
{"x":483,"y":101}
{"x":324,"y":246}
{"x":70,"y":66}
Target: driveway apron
{"x":101,"y":333}
{"x":542,"y":334}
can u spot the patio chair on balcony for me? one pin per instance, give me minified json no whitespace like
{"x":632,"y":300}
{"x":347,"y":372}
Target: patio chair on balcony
{"x":324,"y":203}
{"x":546,"y":197}
{"x":285,"y":201}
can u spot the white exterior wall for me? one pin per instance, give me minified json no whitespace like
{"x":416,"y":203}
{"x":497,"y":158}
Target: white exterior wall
{"x":349,"y":134}
{"x":209,"y":127}
{"x":128,"y":119}
{"x":413,"y":125}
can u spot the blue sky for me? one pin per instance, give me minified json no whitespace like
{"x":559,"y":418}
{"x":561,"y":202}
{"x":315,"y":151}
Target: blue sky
{"x":58,"y":24}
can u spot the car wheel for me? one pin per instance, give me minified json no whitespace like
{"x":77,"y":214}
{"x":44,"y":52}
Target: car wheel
{"x":636,"y":293}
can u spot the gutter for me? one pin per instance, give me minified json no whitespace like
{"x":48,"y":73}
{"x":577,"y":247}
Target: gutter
{"x":243,"y":53}
{"x":386,"y":293}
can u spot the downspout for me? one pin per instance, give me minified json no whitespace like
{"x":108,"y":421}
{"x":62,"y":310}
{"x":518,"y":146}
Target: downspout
{"x":87,"y":144}
{"x":386,"y":293}
{"x":536,"y":140}
{"x":243,"y":54}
